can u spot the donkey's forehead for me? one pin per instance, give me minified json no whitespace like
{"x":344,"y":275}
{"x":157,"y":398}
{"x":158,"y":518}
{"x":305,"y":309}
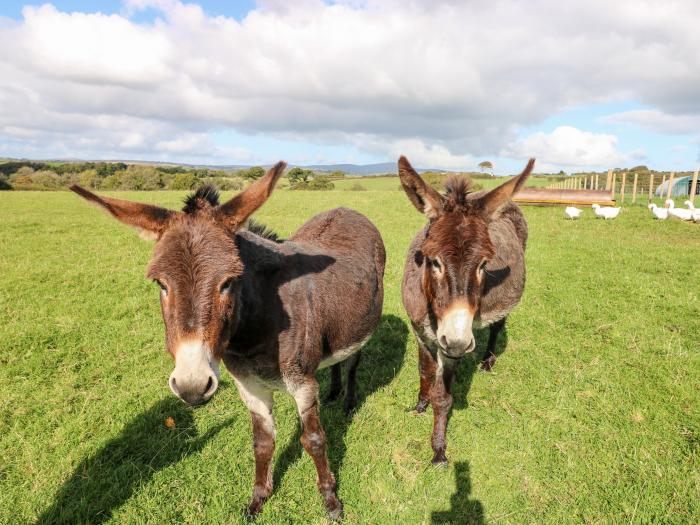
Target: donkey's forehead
{"x":196,"y":245}
{"x":458,"y":235}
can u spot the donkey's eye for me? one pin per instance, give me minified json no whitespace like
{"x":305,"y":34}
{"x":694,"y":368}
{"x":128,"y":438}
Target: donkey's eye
{"x":436,"y":264}
{"x":482,"y":266}
{"x":226,"y":286}
{"x":163,"y":288}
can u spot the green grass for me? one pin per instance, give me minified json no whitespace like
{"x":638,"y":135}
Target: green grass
{"x":393,"y":184}
{"x":590,"y":416}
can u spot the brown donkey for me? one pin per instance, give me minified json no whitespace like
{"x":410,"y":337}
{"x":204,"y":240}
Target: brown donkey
{"x":464,"y":269}
{"x":274,"y":311}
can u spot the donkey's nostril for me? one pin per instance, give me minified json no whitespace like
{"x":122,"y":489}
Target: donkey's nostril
{"x":212,"y":385}
{"x":173,"y":386}
{"x":443,"y":341}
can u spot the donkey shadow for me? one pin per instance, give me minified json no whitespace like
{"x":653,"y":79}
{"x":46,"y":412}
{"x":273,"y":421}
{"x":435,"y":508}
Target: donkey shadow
{"x":382,"y":358}
{"x":107,"y":479}
{"x":463,"y":511}
{"x":470,"y":365}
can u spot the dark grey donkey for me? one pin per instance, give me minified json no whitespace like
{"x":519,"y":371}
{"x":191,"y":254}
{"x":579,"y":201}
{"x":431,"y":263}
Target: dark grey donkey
{"x":273,"y":311}
{"x":464,"y":269}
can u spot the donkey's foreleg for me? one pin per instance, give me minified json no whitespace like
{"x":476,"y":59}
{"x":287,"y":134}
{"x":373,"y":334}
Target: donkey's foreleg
{"x":441,"y":399}
{"x":313,"y":438}
{"x":259,"y":401}
{"x":426,"y":369}
{"x":490,"y":356}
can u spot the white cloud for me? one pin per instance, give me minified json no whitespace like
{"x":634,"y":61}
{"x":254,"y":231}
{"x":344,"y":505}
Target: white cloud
{"x":658,"y":121}
{"x":445,"y":79}
{"x":569,"y":147}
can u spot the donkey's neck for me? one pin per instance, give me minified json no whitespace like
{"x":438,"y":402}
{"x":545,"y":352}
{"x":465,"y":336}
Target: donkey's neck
{"x":256,"y":320}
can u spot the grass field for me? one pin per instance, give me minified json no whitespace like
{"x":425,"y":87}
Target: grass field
{"x":591,"y":414}
{"x":392,"y":183}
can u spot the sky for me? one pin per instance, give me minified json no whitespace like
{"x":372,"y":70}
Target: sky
{"x":578,"y":85}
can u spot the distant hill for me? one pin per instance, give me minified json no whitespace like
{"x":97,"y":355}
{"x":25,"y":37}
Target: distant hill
{"x":351,"y":169}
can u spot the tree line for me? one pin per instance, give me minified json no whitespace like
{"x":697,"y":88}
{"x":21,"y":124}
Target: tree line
{"x":33,"y":175}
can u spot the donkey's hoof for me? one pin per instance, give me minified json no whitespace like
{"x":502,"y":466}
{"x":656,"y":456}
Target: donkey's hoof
{"x":439,"y":460}
{"x":421,"y":405}
{"x":488,"y":363}
{"x":336,"y":512}
{"x":254,"y":508}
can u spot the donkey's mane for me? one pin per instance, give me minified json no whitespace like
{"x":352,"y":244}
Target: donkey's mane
{"x":263,"y":231}
{"x":457,"y":188}
{"x":206,"y":195}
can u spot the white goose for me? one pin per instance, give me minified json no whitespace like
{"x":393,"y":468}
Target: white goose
{"x":605,"y":212}
{"x":696,"y":211}
{"x":572,"y":212}
{"x":659,"y":213}
{"x":683,"y":214}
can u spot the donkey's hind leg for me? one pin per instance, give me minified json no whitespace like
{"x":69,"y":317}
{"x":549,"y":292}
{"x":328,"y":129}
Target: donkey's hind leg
{"x":490,"y":356}
{"x":351,"y":384}
{"x":336,"y":383}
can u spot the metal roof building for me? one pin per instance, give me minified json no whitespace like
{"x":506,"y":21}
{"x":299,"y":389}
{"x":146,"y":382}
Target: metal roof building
{"x":680,"y":188}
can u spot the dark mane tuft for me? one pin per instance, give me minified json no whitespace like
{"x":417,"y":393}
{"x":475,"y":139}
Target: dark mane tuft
{"x":457,"y":188}
{"x":206,"y":195}
{"x":263,"y":231}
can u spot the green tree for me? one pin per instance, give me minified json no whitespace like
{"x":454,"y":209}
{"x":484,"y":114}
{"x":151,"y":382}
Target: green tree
{"x":298,"y":174}
{"x":183,"y":181}
{"x":486,"y":165}
{"x":4,"y":183}
{"x":252,"y":173}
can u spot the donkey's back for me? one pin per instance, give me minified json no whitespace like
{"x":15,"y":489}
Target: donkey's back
{"x":348,"y":294}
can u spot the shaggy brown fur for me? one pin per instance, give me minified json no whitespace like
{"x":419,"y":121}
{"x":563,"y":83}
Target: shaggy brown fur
{"x":274,"y":311}
{"x":471,"y":254}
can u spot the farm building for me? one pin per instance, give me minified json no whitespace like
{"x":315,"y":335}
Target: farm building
{"x":681,"y":187}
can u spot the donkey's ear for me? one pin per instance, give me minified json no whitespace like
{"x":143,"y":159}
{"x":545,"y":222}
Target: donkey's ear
{"x":493,"y":200}
{"x":424,"y":198}
{"x":235,"y":212}
{"x":151,"y":221}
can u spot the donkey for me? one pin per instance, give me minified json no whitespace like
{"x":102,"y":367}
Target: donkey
{"x":464,"y":269}
{"x":274,"y":311}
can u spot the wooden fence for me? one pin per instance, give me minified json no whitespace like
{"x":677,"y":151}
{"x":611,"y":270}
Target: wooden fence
{"x":625,"y":186}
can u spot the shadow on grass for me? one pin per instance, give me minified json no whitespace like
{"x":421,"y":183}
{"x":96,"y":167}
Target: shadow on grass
{"x":382,"y":358}
{"x":105,"y":480}
{"x":470,"y":365}
{"x":462,"y":509}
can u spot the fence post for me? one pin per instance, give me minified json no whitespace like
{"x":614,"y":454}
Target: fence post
{"x":608,"y":180}
{"x":634,"y":188}
{"x":670,"y":184}
{"x":596,"y":180}
{"x":651,"y":185}
{"x":613,"y":184}
{"x":622,"y":186}
{"x":693,"y":187}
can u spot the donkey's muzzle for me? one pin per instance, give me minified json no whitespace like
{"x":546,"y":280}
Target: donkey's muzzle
{"x":194,"y":392}
{"x":455,"y":332}
{"x":196,"y":374}
{"x":457,"y":349}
